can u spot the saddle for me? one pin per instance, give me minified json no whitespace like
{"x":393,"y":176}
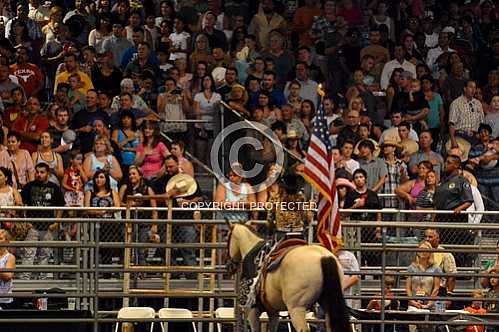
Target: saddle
{"x":275,"y":257}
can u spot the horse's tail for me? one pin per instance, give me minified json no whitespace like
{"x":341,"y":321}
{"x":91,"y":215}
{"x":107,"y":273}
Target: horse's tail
{"x":332,"y":296}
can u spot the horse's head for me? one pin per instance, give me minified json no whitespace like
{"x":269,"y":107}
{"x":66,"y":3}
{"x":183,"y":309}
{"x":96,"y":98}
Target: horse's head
{"x":234,"y":256}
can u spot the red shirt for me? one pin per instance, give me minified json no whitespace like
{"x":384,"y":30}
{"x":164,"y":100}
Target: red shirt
{"x":38,"y":125}
{"x":29,"y":76}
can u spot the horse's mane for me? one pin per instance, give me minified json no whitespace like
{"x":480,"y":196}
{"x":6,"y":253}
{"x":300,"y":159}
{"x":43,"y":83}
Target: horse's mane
{"x":249,"y":228}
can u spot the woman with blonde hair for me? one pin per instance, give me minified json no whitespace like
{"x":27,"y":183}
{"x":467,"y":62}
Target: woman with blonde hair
{"x":238,"y":99}
{"x":102,"y":158}
{"x":422,"y":286}
{"x":201,"y":52}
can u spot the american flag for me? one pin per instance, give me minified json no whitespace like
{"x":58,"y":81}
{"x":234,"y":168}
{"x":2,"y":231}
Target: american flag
{"x":319,"y":171}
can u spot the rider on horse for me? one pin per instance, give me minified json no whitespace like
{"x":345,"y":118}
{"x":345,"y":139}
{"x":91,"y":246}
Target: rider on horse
{"x":287,"y":217}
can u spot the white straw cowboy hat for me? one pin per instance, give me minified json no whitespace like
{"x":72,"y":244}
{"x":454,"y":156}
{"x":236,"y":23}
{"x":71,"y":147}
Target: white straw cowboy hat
{"x":463,"y":145}
{"x":183,"y":183}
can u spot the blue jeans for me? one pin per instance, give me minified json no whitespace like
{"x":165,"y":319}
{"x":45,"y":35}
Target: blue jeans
{"x":185,"y":234}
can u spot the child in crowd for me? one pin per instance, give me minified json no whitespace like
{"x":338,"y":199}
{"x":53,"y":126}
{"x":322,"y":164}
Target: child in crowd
{"x":77,"y":99}
{"x":415,"y":88}
{"x":476,"y":308}
{"x":493,"y":293}
{"x":73,"y":180}
{"x":390,"y":303}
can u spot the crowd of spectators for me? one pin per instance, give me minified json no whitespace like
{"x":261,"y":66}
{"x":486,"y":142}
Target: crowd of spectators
{"x":88,"y":88}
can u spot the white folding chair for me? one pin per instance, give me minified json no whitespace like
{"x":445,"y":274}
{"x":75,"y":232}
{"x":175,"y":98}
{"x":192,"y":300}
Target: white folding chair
{"x":136,"y":313}
{"x":223,"y":312}
{"x":175,"y":313}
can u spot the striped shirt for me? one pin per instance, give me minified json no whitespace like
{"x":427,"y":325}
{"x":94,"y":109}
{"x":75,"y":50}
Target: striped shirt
{"x":466,"y":115}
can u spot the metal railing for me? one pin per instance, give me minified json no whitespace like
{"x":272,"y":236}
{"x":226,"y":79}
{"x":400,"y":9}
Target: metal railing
{"x":91,"y":289}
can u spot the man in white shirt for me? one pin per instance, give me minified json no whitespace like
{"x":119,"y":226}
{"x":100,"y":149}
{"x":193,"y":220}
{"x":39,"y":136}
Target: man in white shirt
{"x":398,"y":62}
{"x":308,"y":88}
{"x":392,"y":132}
{"x":434,"y":53}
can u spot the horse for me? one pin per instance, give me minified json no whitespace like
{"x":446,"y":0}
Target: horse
{"x":306,"y":275}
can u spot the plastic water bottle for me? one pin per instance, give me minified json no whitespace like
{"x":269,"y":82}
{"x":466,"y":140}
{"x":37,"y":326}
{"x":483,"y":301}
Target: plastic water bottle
{"x":439,"y":306}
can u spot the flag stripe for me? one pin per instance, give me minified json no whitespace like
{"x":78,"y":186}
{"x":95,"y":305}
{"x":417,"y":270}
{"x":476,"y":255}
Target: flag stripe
{"x":320,"y":172}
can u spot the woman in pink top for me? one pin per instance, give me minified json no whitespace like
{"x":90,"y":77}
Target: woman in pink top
{"x":410,"y":190}
{"x":151,"y":153}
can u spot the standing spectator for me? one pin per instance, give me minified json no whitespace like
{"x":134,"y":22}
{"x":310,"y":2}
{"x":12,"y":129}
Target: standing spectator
{"x":136,"y":186}
{"x":436,"y":115}
{"x":283,"y":58}
{"x":7,"y":261}
{"x":30,"y":126}
{"x":264,"y":22}
{"x":493,"y":293}
{"x":201,"y":53}
{"x":22,"y":14}
{"x":434,"y":53}
{"x":42,"y":192}
{"x":74,"y":180}
{"x":216,"y":38}
{"x":411,"y":101}
{"x":106,"y":77}
{"x":364,"y":198}
{"x":419,"y":286}
{"x":349,"y":131}
{"x":396,"y":172}
{"x":173,"y":106}
{"x":6,"y":84}
{"x":19,"y":162}
{"x":205,"y":106}
{"x":117,"y":44}
{"x":466,"y":114}
{"x":185,"y":166}
{"x":103,"y":31}
{"x":410,"y":190}
{"x":182,"y":195}
{"x":126,"y":137}
{"x":83,"y":121}
{"x":445,"y":261}
{"x":142,"y":62}
{"x":492,"y":117}
{"x":303,"y":20}
{"x":426,"y":153}
{"x":375,"y":167}
{"x":151,"y":152}
{"x":79,"y":22}
{"x":454,"y":193}
{"x":308,"y":87}
{"x":28,"y":74}
{"x":71,"y":67}
{"x":51,"y":158}
{"x":399,"y":61}
{"x":483,"y":158}
{"x":102,"y":158}
{"x":103,"y":196}
{"x":16,"y":109}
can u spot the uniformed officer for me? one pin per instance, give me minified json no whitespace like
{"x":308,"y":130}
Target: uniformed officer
{"x":287,"y":216}
{"x":454,"y":193}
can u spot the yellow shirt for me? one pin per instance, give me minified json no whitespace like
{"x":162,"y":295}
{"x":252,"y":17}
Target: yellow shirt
{"x":85,"y":80}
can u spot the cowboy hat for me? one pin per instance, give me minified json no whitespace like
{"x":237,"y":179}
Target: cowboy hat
{"x":183,"y":183}
{"x":463,"y":145}
{"x":391,"y":142}
{"x":292,"y":134}
{"x":409,"y":147}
